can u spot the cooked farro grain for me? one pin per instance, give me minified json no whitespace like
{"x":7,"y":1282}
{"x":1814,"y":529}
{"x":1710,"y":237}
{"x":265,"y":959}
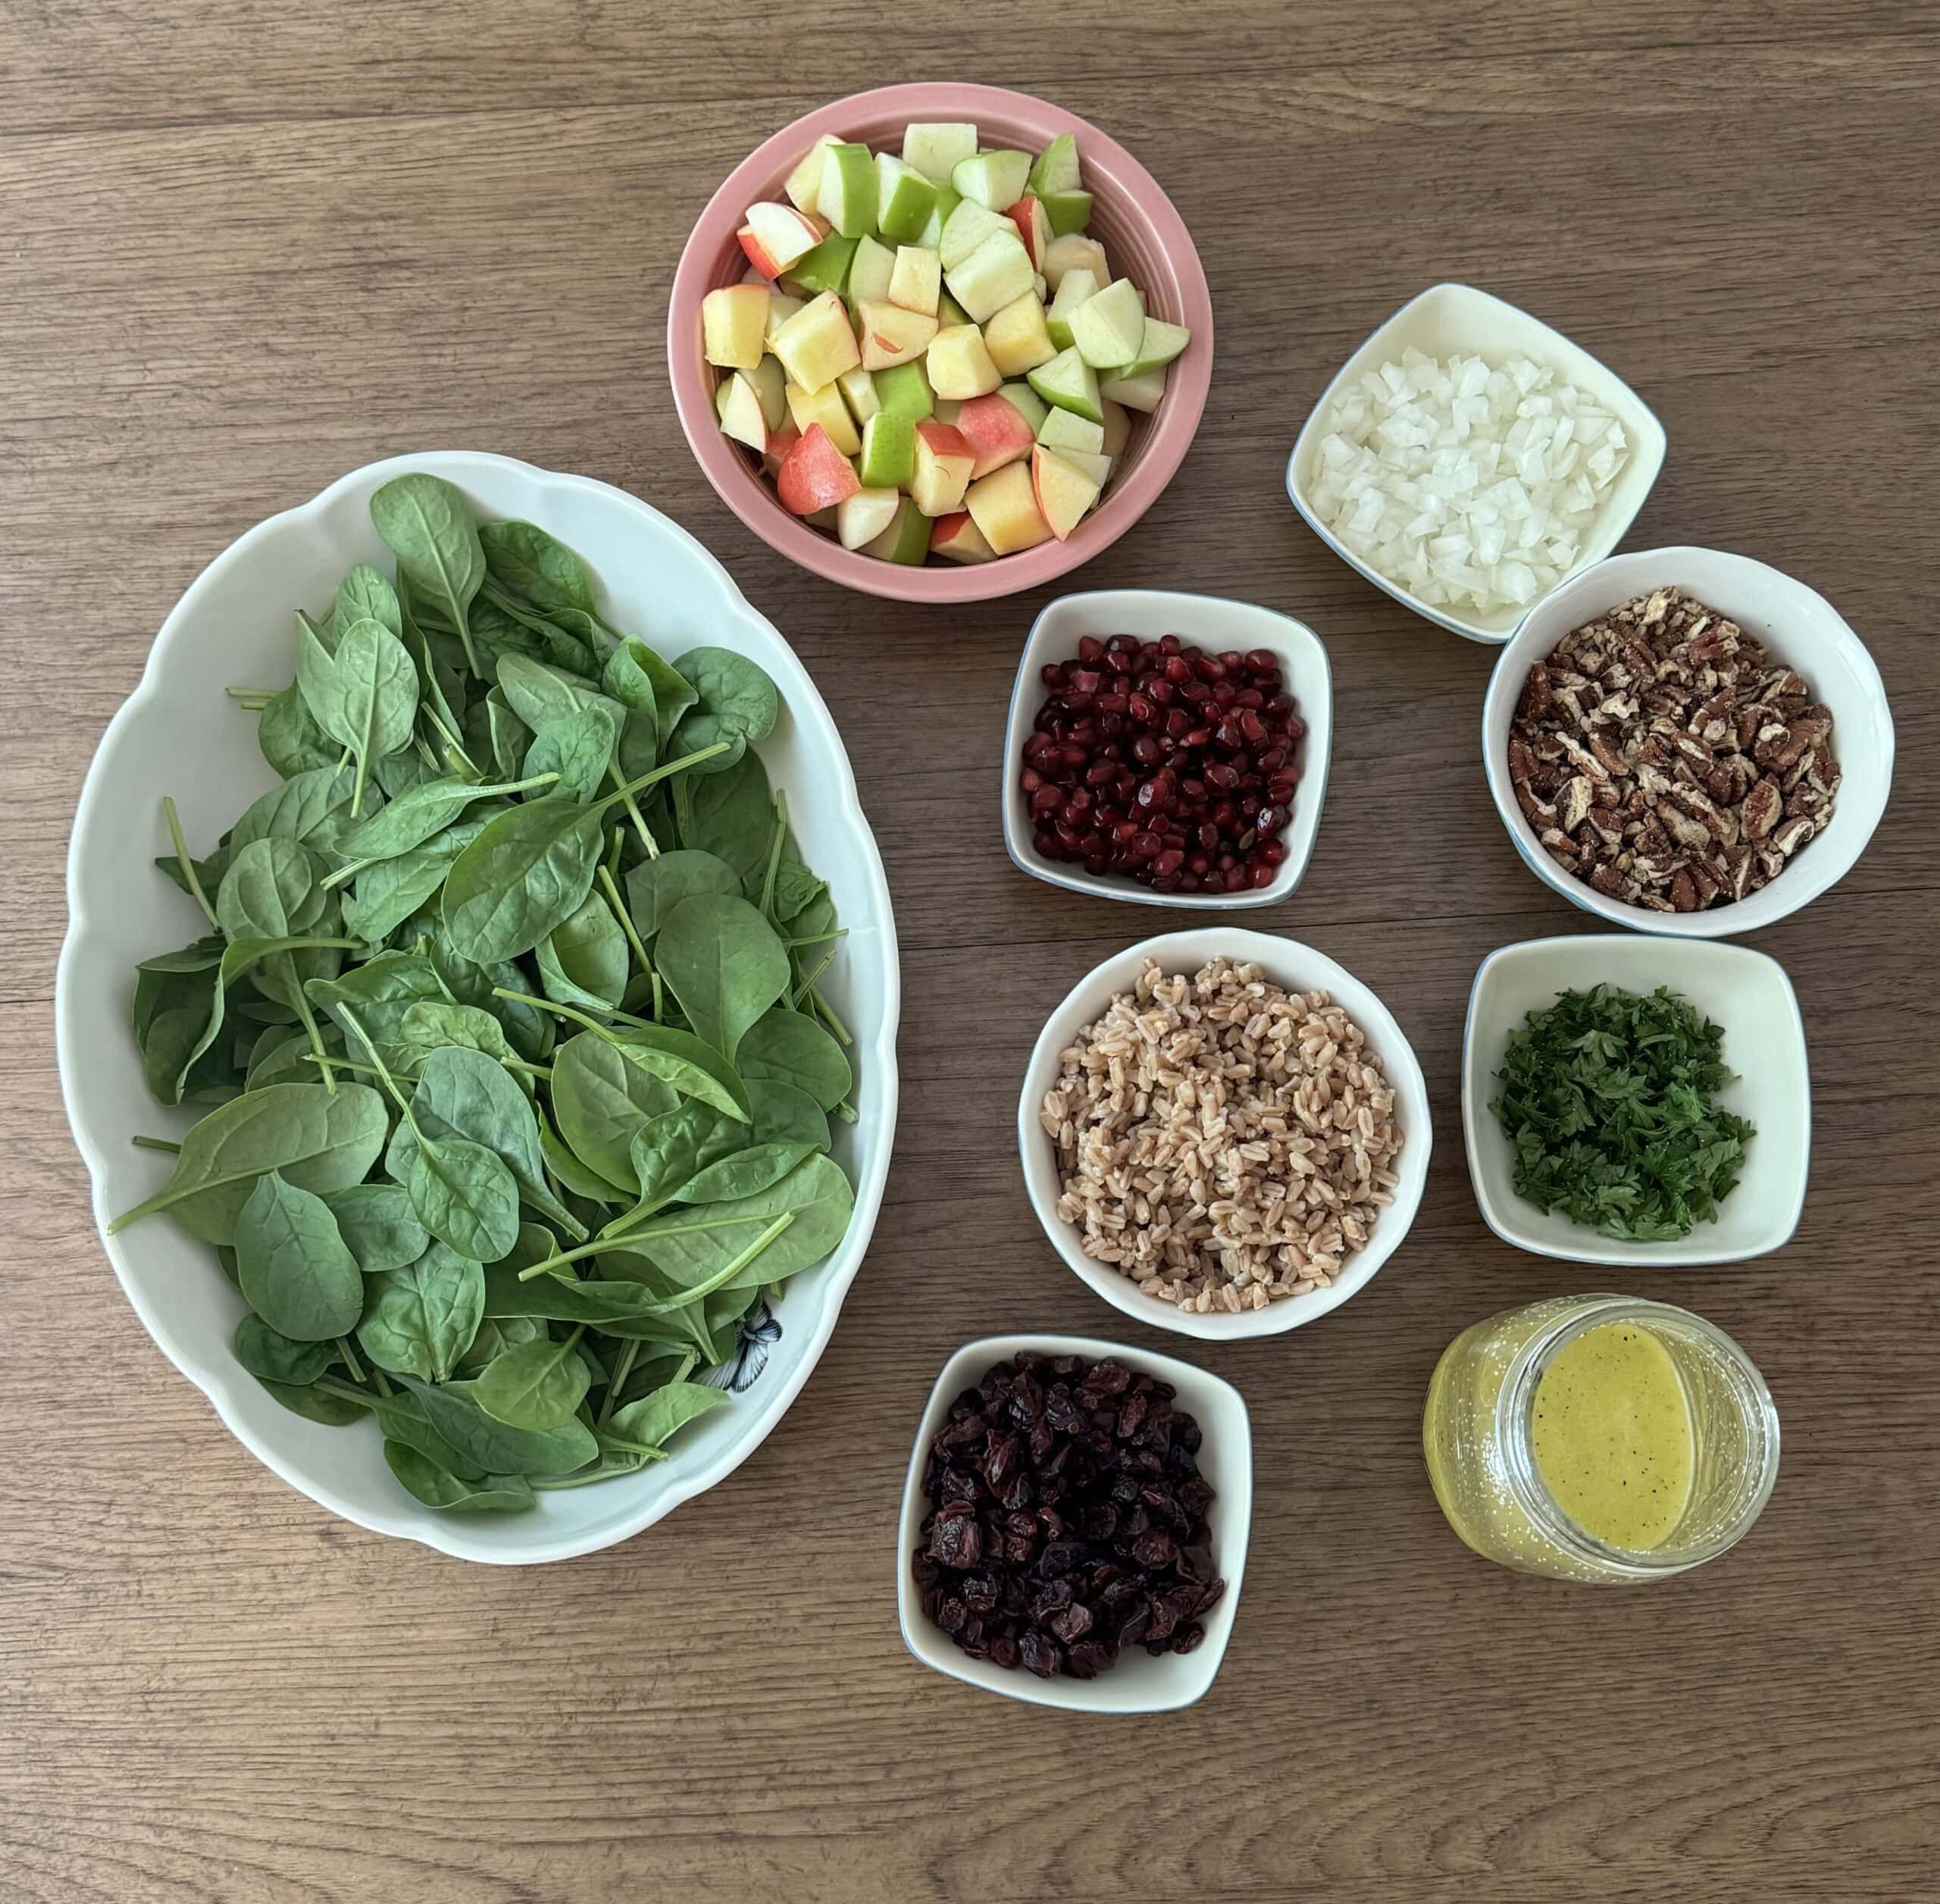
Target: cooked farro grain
{"x":1223,"y":1142}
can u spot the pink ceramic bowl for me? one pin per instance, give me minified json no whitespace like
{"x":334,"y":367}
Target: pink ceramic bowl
{"x":1143,"y":237}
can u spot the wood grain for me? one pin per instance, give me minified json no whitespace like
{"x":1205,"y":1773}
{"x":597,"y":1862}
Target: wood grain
{"x":244,"y":248}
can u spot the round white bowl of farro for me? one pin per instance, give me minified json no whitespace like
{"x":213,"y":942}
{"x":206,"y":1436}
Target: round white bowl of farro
{"x":1687,"y":741}
{"x":1225,"y":1133}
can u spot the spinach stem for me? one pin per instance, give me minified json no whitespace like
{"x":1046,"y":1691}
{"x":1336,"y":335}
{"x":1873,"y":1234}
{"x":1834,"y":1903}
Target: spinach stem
{"x":827,"y":1011}
{"x":319,"y":1055}
{"x":820,"y":939}
{"x":383,"y":1070}
{"x":846,"y":1112}
{"x":626,"y":922}
{"x":530,"y":1070}
{"x":187,"y":865}
{"x":349,"y":1355}
{"x":156,"y":1144}
{"x":808,"y":983}
{"x":618,"y":1381}
{"x":383,"y":1384}
{"x":774,"y":855}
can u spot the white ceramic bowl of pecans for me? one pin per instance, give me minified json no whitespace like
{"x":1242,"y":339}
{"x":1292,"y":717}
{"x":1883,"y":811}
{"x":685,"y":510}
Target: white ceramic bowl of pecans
{"x":1704,"y":745}
{"x":1242,"y":1140}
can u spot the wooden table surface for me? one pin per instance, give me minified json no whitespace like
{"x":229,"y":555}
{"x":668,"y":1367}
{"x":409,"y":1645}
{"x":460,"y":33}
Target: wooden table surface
{"x":245,"y":247}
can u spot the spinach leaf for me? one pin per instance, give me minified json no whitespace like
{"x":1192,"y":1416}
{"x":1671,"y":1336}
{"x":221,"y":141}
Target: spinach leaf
{"x":692,"y":1243}
{"x":375,"y":1220}
{"x":461,"y":1192}
{"x":789,"y":1047}
{"x":411,"y":819}
{"x":784,"y":1113}
{"x":538,"y":568}
{"x":539,"y":1385}
{"x":730,"y":814}
{"x":296,"y":1272}
{"x":317,"y":1139}
{"x":271,"y":1356}
{"x":721,"y":960}
{"x":291,"y":741}
{"x":633,"y":671}
{"x":746,"y":1173}
{"x":420,"y":1318}
{"x":737,"y":702}
{"x":463,"y":1093}
{"x":333,"y":1410}
{"x":600,"y":1101}
{"x":364,"y":595}
{"x":656,"y":886}
{"x":668,"y":1151}
{"x":428,"y":525}
{"x":585,"y":960}
{"x":578,"y":747}
{"x":495,"y":1446}
{"x":652,"y":1419}
{"x":430,"y":1483}
{"x":693,"y":1067}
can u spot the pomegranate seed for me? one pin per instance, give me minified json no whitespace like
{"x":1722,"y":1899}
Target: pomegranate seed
{"x":1262,"y":662}
{"x":1169,"y":644}
{"x":1053,"y":674}
{"x":1199,"y":864}
{"x":1047,"y":846}
{"x":1046,"y":801}
{"x":1101,"y":773}
{"x":1167,"y":865}
{"x":1270,"y":819}
{"x":1121,"y":661}
{"x":1270,"y":852}
{"x":1228,"y":735}
{"x":1224,"y":693}
{"x":1232,"y":661}
{"x":1094,"y":864}
{"x":1145,"y":751}
{"x":1221,"y":776}
{"x":1295,"y":728}
{"x":1090,"y":650}
{"x":1144,"y":846}
{"x":1029,"y":780}
{"x":1164,"y":692}
{"x":1188,"y":882}
{"x":1261,"y":874}
{"x":1140,"y":708}
{"x":1072,"y":755}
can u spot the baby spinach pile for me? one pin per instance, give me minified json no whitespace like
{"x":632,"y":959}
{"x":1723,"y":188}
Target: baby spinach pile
{"x":509,"y":1016}
{"x":1607,"y":1098}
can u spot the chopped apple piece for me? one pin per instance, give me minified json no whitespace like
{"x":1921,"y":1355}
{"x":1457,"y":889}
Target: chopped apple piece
{"x":1108,"y":326}
{"x":770,"y":386}
{"x":1056,"y":169}
{"x":780,"y":307}
{"x":994,"y":274}
{"x":733,"y":326}
{"x":1064,"y":492}
{"x":997,"y":431}
{"x":1028,"y":404}
{"x":916,"y":283}
{"x":1067,"y":211}
{"x":1016,"y":338}
{"x":826,"y":268}
{"x":1140,"y":393}
{"x":944,"y":461}
{"x":904,"y":199}
{"x":904,"y":391}
{"x":1004,"y":507}
{"x":824,"y":406}
{"x":1160,"y":344}
{"x":948,"y":312}
{"x":970,"y":225}
{"x":814,"y":474}
{"x":931,"y":237}
{"x":1066,"y":430}
{"x":1068,"y":383}
{"x":936,"y":148}
{"x":738,"y":409}
{"x":775,"y":235}
{"x":1098,"y":467}
{"x":863,"y":517}
{"x":859,"y":392}
{"x":888,"y":452}
{"x":803,"y":185}
{"x":1033,"y":227}
{"x":1118,"y":429}
{"x":869,"y":272}
{"x":959,"y":538}
{"x":848,"y":196}
{"x":1078,"y":285}
{"x":948,"y":409}
{"x":1074,"y":253}
{"x":995,"y":180}
{"x":776,"y":453}
{"x":907,"y":538}
{"x":829,"y":519}
{"x":891,"y":335}
{"x":816,"y":345}
{"x":959,"y":364}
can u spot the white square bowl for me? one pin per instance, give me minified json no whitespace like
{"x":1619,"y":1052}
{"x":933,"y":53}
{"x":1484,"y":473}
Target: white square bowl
{"x":1746,"y":992}
{"x":1138,"y":1683}
{"x":1297,"y":968}
{"x":1458,"y":318}
{"x":1802,"y":629}
{"x":1208,"y":621}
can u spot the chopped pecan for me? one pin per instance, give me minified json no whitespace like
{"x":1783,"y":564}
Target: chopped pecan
{"x":1760,"y":811}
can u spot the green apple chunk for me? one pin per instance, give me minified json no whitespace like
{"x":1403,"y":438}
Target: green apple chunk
{"x":1056,"y":168}
{"x":849,"y":189}
{"x":1068,"y":383}
{"x":906,"y":540}
{"x":904,"y":390}
{"x":994,"y":274}
{"x":1077,"y":286}
{"x":904,"y":199}
{"x":804,"y":183}
{"x":993,"y":179}
{"x":1135,"y":393}
{"x":1108,"y":326}
{"x":949,"y":311}
{"x":936,"y":148}
{"x":870,"y":271}
{"x":1161,"y":343}
{"x":1065,"y":430}
{"x":971,"y":224}
{"x":826,"y":268}
{"x":931,"y":237}
{"x":858,"y":391}
{"x":888,"y":452}
{"x":1027,"y":403}
{"x":1069,"y":212}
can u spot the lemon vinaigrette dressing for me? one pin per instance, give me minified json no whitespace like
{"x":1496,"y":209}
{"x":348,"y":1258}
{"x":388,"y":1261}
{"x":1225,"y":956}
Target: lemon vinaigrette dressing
{"x":1612,"y":1436}
{"x":1599,"y":1439}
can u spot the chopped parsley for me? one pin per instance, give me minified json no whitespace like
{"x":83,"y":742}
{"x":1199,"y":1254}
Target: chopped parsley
{"x":1607,"y":1098}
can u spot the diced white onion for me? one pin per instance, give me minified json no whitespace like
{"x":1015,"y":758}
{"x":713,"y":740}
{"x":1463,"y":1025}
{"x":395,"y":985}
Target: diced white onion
{"x":1473,"y":485}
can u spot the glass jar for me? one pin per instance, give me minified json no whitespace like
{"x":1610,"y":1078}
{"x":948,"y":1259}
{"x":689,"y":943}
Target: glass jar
{"x":1479,"y":1433}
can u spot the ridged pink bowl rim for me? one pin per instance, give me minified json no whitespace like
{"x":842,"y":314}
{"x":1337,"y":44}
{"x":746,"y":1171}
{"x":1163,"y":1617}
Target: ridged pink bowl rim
{"x":1122,"y":185}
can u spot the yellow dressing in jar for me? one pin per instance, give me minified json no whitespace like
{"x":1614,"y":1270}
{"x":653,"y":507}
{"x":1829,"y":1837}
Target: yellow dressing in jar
{"x":1599,"y":1439}
{"x":1612,"y":1435}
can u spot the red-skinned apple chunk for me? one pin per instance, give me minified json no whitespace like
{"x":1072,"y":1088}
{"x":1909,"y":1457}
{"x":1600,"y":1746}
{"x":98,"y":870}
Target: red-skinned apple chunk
{"x":815,"y":474}
{"x":997,"y":431}
{"x":944,"y":461}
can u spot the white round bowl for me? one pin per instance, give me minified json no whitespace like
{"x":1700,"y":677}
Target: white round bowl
{"x":1208,"y":621}
{"x":177,"y":733}
{"x":1139,"y":1682}
{"x":1801,"y":628}
{"x":1298,"y":968}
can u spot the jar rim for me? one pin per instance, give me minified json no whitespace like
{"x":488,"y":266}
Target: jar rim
{"x":1515,"y":1414}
